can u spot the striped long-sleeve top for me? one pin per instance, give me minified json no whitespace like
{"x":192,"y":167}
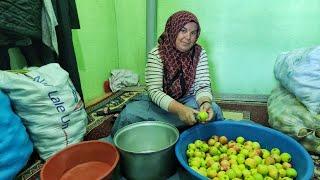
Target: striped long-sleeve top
{"x":154,"y":79}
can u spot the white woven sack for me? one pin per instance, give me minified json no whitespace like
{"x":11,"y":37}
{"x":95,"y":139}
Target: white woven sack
{"x":49,"y":106}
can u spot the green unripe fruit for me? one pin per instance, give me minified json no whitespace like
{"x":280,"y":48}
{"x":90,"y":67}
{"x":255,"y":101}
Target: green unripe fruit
{"x":202,"y":116}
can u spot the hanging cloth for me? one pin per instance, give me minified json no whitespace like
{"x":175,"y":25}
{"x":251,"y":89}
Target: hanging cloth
{"x":67,"y":16}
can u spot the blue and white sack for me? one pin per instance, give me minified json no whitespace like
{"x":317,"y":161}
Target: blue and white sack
{"x":49,"y":106}
{"x":299,"y":72}
{"x":15,"y":144}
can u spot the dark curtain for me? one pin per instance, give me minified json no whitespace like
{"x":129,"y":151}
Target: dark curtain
{"x":4,"y":58}
{"x":67,"y":16}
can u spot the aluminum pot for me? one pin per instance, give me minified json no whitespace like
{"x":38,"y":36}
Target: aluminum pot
{"x":147,"y":150}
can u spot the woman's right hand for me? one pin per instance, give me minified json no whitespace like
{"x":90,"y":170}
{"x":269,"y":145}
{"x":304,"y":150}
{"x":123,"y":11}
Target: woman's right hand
{"x":187,"y":115}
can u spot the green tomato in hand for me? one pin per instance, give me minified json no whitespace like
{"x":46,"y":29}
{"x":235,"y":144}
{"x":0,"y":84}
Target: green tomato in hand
{"x":202,"y":116}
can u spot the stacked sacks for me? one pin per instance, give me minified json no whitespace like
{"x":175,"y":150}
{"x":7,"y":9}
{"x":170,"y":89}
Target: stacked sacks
{"x":294,"y":106}
{"x":15,"y":145}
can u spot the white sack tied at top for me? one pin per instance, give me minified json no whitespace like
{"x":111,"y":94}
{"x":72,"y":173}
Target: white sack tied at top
{"x":121,"y":78}
{"x":49,"y":106}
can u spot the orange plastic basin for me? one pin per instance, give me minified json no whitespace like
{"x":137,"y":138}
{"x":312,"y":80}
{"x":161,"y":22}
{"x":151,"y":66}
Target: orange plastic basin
{"x":85,"y":160}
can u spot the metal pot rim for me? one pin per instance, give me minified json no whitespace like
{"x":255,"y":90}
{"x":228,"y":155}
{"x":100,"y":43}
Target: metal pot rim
{"x":145,"y":123}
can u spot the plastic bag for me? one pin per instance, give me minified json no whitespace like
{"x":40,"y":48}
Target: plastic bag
{"x":299,"y":72}
{"x":291,"y":117}
{"x":121,"y":78}
{"x":49,"y":106}
{"x":15,"y":145}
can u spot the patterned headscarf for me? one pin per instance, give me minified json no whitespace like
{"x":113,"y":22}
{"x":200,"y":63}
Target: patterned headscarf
{"x":179,"y":67}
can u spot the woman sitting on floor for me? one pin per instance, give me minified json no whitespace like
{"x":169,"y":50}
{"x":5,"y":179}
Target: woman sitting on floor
{"x":177,"y":78}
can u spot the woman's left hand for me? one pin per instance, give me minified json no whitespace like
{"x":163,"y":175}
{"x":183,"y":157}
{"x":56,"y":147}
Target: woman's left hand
{"x":207,"y":108}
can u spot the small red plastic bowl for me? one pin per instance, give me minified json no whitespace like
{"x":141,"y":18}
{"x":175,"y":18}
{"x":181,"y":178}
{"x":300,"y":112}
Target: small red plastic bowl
{"x":85,"y":160}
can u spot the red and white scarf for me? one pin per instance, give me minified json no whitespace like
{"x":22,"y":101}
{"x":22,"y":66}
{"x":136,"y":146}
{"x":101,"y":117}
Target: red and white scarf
{"x":179,"y":67}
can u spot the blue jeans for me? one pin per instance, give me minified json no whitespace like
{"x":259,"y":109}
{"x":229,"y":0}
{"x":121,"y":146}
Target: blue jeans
{"x":142,"y":108}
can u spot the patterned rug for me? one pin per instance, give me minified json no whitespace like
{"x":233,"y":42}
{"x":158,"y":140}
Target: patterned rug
{"x":101,"y":117}
{"x":316,"y":161}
